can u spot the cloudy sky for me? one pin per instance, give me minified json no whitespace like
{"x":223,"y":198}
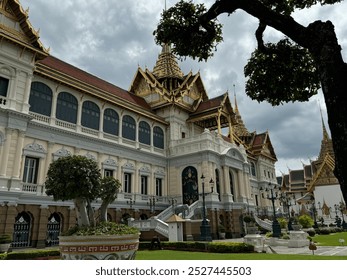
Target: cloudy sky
{"x":111,"y":38}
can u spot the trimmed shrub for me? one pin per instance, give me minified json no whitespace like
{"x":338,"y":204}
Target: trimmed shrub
{"x":230,"y":247}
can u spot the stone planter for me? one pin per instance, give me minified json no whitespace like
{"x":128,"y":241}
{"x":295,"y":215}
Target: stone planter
{"x":252,"y":230}
{"x":99,"y":247}
{"x":5,"y":247}
{"x":296,"y":227}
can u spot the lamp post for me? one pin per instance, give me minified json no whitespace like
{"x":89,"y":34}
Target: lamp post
{"x":287,"y":202}
{"x":276,"y":228}
{"x":314,"y":210}
{"x":205,"y":228}
{"x":337,"y":218}
{"x":342,"y":208}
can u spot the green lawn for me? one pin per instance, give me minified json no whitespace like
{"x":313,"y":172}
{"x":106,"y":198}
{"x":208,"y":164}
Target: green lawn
{"x":182,"y":255}
{"x":331,"y":239}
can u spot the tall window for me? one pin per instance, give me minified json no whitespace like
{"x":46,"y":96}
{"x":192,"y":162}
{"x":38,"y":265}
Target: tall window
{"x":127,"y":182}
{"x":158,"y":137}
{"x":231,"y":182}
{"x":129,"y":128}
{"x":31,"y":167}
{"x":67,"y":106}
{"x":108,"y":173}
{"x":158,"y":186}
{"x":144,"y":184}
{"x":40,"y":99}
{"x":90,"y":115}
{"x":111,"y":122}
{"x":253,"y":169}
{"x":3,"y":86}
{"x":144,"y":133}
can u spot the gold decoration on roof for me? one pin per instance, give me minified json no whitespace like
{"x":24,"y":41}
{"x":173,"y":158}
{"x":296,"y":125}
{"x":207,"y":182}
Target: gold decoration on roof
{"x":240,"y":128}
{"x":166,"y":65}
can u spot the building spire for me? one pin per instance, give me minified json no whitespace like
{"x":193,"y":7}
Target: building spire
{"x":166,"y":65}
{"x":326,"y":144}
{"x":325,"y":132}
{"x":240,"y":128}
{"x":235,"y":101}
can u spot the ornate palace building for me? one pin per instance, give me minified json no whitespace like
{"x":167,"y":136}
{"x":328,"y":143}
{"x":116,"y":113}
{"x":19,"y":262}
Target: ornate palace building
{"x":160,"y":138}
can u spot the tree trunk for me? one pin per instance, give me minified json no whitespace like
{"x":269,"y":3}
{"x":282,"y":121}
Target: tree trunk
{"x":81,"y":212}
{"x":103,"y":212}
{"x":333,"y":75}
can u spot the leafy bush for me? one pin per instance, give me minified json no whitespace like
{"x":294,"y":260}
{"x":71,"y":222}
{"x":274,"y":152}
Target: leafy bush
{"x":311,"y":232}
{"x":283,"y":222}
{"x":5,"y":238}
{"x":32,"y":255}
{"x":305,"y":221}
{"x":103,"y":228}
{"x":230,"y":247}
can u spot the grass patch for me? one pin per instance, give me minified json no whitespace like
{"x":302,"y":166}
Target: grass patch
{"x":331,"y":239}
{"x":183,"y":255}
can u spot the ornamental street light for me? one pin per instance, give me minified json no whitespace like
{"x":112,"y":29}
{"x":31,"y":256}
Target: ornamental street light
{"x":314,"y":211}
{"x":286,"y":200}
{"x":205,"y":228}
{"x":342,"y":207}
{"x":276,"y":228}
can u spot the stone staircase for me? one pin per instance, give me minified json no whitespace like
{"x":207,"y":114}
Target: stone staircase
{"x":158,"y":224}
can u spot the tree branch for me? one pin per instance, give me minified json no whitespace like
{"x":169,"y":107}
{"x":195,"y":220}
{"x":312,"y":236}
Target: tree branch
{"x":283,"y":23}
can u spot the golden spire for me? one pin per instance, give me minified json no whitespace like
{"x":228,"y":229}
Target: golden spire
{"x":326,"y":144}
{"x":240,"y":128}
{"x":166,"y":65}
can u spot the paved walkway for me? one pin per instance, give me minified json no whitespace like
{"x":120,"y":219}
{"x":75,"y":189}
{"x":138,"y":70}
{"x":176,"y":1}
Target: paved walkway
{"x":321,"y":250}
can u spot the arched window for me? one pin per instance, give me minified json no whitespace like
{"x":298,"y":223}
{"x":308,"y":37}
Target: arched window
{"x":217,"y":183}
{"x":40,"y":99}
{"x":144,"y":133}
{"x":190,"y":185}
{"x":67,"y":106}
{"x":158,"y":137}
{"x":90,"y":115}
{"x":111,"y":122}
{"x":129,"y":128}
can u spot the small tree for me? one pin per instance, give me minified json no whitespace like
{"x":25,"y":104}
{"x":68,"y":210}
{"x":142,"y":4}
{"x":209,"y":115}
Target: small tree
{"x":78,"y":178}
{"x":109,"y":191}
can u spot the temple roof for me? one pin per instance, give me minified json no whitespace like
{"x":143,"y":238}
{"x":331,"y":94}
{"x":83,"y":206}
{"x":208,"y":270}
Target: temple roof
{"x":54,"y":68}
{"x":23,"y":33}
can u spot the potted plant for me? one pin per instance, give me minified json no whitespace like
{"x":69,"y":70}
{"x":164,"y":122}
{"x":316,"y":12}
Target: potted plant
{"x":5,"y":243}
{"x":78,"y":178}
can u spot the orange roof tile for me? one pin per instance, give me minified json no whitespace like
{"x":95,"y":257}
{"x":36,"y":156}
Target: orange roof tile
{"x":82,"y":76}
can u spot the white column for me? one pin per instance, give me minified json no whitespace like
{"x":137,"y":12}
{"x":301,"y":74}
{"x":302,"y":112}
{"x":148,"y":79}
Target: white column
{"x":6,"y":151}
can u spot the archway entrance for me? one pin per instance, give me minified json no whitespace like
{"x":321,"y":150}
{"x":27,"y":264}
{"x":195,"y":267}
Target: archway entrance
{"x":21,"y":232}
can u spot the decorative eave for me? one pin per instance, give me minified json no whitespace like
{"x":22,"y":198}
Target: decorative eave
{"x":29,"y":39}
{"x":328,"y":162}
{"x":261,"y":146}
{"x":210,"y":110}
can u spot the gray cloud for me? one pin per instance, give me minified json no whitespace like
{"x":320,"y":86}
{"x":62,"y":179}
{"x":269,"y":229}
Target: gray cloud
{"x":111,"y":38}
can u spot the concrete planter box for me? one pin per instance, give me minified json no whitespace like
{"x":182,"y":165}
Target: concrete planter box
{"x":99,"y":247}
